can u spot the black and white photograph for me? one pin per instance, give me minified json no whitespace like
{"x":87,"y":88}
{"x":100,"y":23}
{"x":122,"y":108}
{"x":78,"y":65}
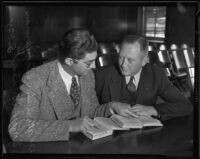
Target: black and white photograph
{"x":100,"y":79}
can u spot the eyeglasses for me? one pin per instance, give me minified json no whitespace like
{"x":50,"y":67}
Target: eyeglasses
{"x":86,"y":65}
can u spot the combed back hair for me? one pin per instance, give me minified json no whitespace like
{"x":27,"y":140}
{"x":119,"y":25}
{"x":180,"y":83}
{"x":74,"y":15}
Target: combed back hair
{"x":76,"y":43}
{"x":131,"y":39}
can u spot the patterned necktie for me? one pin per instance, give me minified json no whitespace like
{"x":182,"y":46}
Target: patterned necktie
{"x":131,"y":86}
{"x":75,"y":92}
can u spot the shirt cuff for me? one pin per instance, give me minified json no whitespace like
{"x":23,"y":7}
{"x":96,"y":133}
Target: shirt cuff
{"x":158,"y":116}
{"x":111,"y":111}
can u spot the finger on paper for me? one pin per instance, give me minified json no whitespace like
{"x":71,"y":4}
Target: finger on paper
{"x":132,"y":114}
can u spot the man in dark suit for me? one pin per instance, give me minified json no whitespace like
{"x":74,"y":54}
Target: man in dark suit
{"x":135,"y":84}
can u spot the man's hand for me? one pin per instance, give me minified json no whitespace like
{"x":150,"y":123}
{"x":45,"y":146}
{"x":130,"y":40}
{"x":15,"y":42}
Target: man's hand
{"x":122,"y":109}
{"x":142,"y":110}
{"x":81,"y":124}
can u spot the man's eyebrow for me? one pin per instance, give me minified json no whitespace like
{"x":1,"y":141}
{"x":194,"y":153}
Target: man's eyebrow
{"x":92,"y":60}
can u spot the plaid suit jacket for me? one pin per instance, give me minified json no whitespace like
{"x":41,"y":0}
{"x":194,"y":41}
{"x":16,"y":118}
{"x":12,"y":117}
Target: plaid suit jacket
{"x":43,"y":108}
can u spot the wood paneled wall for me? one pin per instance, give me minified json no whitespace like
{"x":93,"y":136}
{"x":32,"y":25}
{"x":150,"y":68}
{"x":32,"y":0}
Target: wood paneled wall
{"x":180,"y":25}
{"x":48,"y":23}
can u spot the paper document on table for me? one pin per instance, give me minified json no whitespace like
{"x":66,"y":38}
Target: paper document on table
{"x":103,"y":127}
{"x":108,"y":123}
{"x":149,"y":121}
{"x":139,"y":122}
{"x":97,"y":131}
{"x":126,"y":122}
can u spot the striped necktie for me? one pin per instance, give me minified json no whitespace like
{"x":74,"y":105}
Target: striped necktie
{"x":131,"y":86}
{"x":75,"y":92}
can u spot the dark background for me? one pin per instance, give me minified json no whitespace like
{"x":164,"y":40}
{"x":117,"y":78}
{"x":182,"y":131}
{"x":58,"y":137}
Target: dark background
{"x":108,"y":23}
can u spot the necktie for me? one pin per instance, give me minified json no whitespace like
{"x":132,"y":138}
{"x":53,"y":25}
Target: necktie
{"x":131,"y":86}
{"x":75,"y":92}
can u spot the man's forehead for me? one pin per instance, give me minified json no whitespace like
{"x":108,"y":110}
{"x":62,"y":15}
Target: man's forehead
{"x":130,"y":49}
{"x":130,"y":46}
{"x":90,"y":56}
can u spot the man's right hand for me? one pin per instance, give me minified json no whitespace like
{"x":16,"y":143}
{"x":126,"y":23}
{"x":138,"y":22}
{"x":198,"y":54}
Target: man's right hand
{"x":122,"y":109}
{"x":80,"y":124}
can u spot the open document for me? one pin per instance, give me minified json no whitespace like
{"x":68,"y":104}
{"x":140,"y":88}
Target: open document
{"x":105,"y":126}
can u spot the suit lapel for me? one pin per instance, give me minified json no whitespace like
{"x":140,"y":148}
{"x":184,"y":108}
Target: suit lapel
{"x":84,"y":95}
{"x":115,"y":86}
{"x":143,"y":85}
{"x":58,"y":94}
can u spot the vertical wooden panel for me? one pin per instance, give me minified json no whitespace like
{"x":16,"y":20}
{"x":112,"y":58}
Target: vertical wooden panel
{"x":132,"y":19}
{"x":180,"y":25}
{"x":49,"y":23}
{"x":54,"y":21}
{"x":106,"y":22}
{"x":14,"y":18}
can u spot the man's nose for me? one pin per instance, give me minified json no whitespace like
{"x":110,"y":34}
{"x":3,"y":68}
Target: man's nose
{"x":124,"y":62}
{"x":93,"y":65}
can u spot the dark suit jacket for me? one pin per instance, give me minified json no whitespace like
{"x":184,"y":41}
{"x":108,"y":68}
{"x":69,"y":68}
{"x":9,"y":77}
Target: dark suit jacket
{"x":43,"y":108}
{"x":153,"y":83}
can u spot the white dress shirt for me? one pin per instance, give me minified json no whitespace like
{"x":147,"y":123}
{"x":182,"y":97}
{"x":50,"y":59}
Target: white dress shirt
{"x":67,"y":78}
{"x":135,"y":80}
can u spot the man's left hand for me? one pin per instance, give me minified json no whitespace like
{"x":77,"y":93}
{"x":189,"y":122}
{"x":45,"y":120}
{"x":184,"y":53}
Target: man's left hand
{"x":142,"y":110}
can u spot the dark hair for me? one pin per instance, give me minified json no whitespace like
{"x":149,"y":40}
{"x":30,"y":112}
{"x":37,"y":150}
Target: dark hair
{"x":131,"y":39}
{"x":76,"y":43}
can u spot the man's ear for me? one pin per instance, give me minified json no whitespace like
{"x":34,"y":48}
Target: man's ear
{"x":69,"y":61}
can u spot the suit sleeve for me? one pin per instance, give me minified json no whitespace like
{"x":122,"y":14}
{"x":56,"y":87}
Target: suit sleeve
{"x":25,"y":124}
{"x":175,"y":103}
{"x":99,"y":110}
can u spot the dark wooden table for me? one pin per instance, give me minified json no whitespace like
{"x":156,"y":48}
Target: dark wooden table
{"x":175,"y":138}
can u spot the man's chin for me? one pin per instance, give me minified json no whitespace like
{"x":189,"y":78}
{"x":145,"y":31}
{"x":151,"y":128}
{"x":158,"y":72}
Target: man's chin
{"x":83,"y":73}
{"x":125,"y":73}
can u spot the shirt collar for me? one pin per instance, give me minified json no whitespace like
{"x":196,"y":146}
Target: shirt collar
{"x":67,"y":78}
{"x":63,"y":72}
{"x":136,"y":77}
